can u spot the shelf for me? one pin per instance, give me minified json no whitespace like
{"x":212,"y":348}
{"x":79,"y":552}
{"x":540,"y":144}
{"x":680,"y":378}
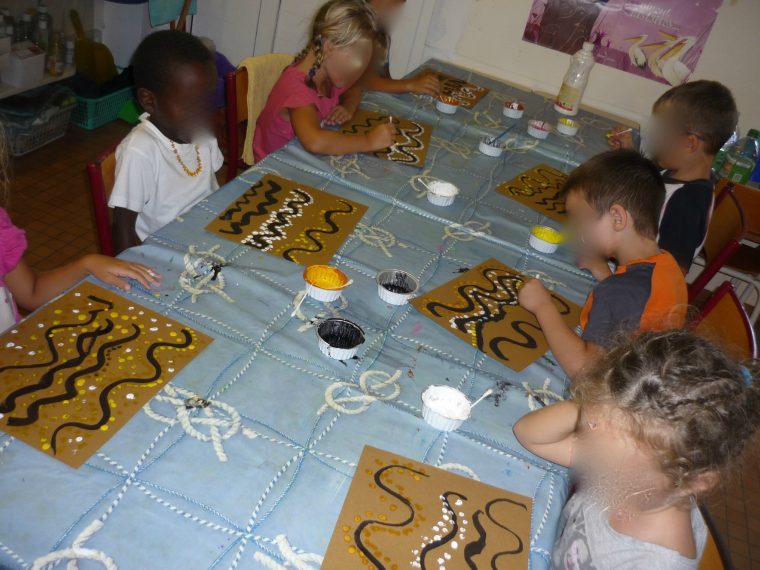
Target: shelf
{"x":8,"y":90}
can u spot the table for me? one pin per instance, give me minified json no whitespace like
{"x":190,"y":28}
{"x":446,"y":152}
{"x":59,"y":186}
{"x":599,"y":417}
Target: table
{"x":163,"y":494}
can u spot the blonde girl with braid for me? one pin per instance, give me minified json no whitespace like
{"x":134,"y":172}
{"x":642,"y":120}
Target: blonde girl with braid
{"x":321,"y":88}
{"x":653,"y":427}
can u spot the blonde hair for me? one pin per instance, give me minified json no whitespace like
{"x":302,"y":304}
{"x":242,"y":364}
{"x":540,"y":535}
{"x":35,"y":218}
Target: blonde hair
{"x":342,"y":23}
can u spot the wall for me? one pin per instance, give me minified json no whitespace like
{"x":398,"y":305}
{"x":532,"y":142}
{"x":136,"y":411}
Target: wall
{"x":486,"y":35}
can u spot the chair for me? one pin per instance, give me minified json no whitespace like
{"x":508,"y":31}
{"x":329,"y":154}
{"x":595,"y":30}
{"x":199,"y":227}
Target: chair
{"x":715,"y":555}
{"x":724,"y":318}
{"x":101,"y":174}
{"x":261,"y":72}
{"x":724,"y":236}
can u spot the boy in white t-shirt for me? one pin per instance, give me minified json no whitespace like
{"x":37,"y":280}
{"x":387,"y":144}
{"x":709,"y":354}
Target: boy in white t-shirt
{"x":166,"y":164}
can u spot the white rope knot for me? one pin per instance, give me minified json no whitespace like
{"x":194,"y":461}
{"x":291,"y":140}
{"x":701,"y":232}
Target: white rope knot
{"x":203,"y":274}
{"x":536,"y":396}
{"x":377,"y":237}
{"x":467,"y":231}
{"x":454,"y":147}
{"x":372,"y":384}
{"x":77,"y":552}
{"x":299,"y":561}
{"x":347,"y":164}
{"x":222,"y":420}
{"x":453,"y":467}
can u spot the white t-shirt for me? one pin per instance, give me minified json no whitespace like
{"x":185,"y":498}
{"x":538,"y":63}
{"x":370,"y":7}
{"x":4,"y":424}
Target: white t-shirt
{"x":151,"y":181}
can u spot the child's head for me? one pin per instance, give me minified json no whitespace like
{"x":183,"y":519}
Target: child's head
{"x":692,"y":122}
{"x":672,"y":408}
{"x":341,"y":39}
{"x":387,"y":11}
{"x":175,"y":79}
{"x":612,"y":196}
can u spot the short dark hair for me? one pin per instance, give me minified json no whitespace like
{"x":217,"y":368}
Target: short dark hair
{"x":161,"y":52}
{"x":621,"y":177}
{"x":705,"y":107}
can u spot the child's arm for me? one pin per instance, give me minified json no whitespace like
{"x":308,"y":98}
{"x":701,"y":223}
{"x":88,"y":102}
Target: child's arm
{"x":32,"y":291}
{"x":349,"y":103}
{"x":317,"y":140}
{"x":124,"y":233}
{"x":425,"y":83}
{"x":570,"y":350}
{"x":550,"y":432}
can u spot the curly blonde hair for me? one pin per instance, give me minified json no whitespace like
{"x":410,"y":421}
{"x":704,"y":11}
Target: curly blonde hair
{"x":342,"y":23}
{"x":681,"y":397}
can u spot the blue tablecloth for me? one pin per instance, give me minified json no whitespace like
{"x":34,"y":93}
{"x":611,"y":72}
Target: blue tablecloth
{"x":215,"y":489}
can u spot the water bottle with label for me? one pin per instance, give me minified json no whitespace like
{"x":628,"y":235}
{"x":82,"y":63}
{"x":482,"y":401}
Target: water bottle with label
{"x":741,"y":158}
{"x":568,"y":101}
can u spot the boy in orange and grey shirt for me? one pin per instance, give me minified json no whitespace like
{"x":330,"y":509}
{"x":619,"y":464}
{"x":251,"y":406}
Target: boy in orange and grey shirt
{"x":613,"y":203}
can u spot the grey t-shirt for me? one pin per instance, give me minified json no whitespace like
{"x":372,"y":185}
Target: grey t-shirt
{"x":587,"y":542}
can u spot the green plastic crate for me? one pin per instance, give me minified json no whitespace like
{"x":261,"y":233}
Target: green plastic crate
{"x":93,"y":113}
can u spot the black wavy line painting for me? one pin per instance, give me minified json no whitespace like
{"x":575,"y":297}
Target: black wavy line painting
{"x":481,"y":307}
{"x":412,"y":137}
{"x":400,"y":513}
{"x":468,"y":94}
{"x":291,"y":220}
{"x":75,"y":372}
{"x":539,"y":188}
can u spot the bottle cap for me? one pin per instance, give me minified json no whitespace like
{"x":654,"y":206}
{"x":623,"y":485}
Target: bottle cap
{"x":588,"y":46}
{"x":753,"y":134}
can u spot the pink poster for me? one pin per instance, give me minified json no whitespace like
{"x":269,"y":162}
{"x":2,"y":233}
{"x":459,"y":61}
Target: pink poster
{"x":658,"y":39}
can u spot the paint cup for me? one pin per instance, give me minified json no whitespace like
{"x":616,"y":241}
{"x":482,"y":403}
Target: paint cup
{"x":538,"y":129}
{"x":447,"y":105}
{"x":339,"y":338}
{"x":441,"y":193}
{"x":491,"y":147}
{"x":445,"y":408}
{"x":544,"y":239}
{"x":396,"y":287}
{"x":568,"y":126}
{"x":513,"y":109}
{"x":326,"y":283}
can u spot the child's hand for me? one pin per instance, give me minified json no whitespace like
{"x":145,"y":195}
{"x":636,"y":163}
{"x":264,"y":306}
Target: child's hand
{"x":425,"y":84}
{"x":116,"y":272}
{"x":532,"y":296}
{"x":382,"y":136}
{"x":340,"y":115}
{"x":620,"y":137}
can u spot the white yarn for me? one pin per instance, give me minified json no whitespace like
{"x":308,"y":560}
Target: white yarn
{"x":371,"y":391}
{"x":292,"y":559}
{"x":377,"y":237}
{"x":220,"y":429}
{"x":77,"y":552}
{"x":197,"y":277}
{"x":467,"y":231}
{"x":543,"y":393}
{"x":461,"y":468}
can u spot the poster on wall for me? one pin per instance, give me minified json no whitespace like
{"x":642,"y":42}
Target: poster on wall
{"x":657,"y":39}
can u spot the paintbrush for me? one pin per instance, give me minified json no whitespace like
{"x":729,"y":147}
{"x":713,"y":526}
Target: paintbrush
{"x":494,"y":140}
{"x":610,"y":134}
{"x":301,"y":300}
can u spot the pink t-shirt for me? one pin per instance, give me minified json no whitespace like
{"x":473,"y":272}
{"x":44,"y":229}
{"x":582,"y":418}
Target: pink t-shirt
{"x":273,"y":131}
{"x":12,"y":247}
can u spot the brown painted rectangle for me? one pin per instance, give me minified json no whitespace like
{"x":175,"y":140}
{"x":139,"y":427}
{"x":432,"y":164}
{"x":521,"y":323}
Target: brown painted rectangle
{"x":538,"y":188}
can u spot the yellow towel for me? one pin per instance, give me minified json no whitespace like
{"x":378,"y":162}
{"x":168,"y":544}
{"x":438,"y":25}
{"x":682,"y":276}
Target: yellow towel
{"x":263,"y":73}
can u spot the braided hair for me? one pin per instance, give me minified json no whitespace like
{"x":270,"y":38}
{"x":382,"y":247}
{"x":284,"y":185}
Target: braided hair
{"x":679,"y":396}
{"x":342,"y":23}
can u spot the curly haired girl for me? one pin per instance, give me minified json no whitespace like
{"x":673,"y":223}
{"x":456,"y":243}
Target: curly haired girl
{"x":653,"y":426}
{"x":321,"y":87}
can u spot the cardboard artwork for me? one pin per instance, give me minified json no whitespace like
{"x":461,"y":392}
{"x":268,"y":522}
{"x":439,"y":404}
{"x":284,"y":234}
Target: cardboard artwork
{"x":72,"y":374}
{"x":538,"y":188}
{"x":468,"y":94}
{"x":412,"y":137}
{"x":481,"y":308}
{"x":291,"y":220}
{"x":400,"y":513}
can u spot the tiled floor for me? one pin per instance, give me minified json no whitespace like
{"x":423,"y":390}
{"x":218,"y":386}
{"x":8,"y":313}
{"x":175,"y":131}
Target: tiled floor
{"x":50,"y":200}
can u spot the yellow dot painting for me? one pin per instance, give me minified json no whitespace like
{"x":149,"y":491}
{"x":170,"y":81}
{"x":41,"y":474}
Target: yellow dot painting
{"x":75,"y":372}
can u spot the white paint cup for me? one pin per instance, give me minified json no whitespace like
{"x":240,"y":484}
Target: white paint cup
{"x":491,"y":147}
{"x":445,"y":408}
{"x":447,"y":105}
{"x":395,"y":286}
{"x":339,"y":339}
{"x":538,"y":129}
{"x":568,"y":126}
{"x":513,"y":109}
{"x":441,"y":193}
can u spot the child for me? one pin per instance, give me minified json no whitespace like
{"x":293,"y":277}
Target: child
{"x":19,"y":285}
{"x":321,"y":87}
{"x":654,"y":424}
{"x":167,"y":163}
{"x":378,"y":75}
{"x":613,"y":202}
{"x":690,"y":124}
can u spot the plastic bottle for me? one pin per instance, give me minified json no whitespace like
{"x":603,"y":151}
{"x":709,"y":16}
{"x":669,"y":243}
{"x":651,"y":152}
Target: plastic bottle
{"x":741,"y":158}
{"x":55,"y":55}
{"x":754,"y":179}
{"x":70,"y":52}
{"x":43,"y":16}
{"x":42,"y":37}
{"x":568,"y":100}
{"x":720,"y":158}
{"x":24,"y":27}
